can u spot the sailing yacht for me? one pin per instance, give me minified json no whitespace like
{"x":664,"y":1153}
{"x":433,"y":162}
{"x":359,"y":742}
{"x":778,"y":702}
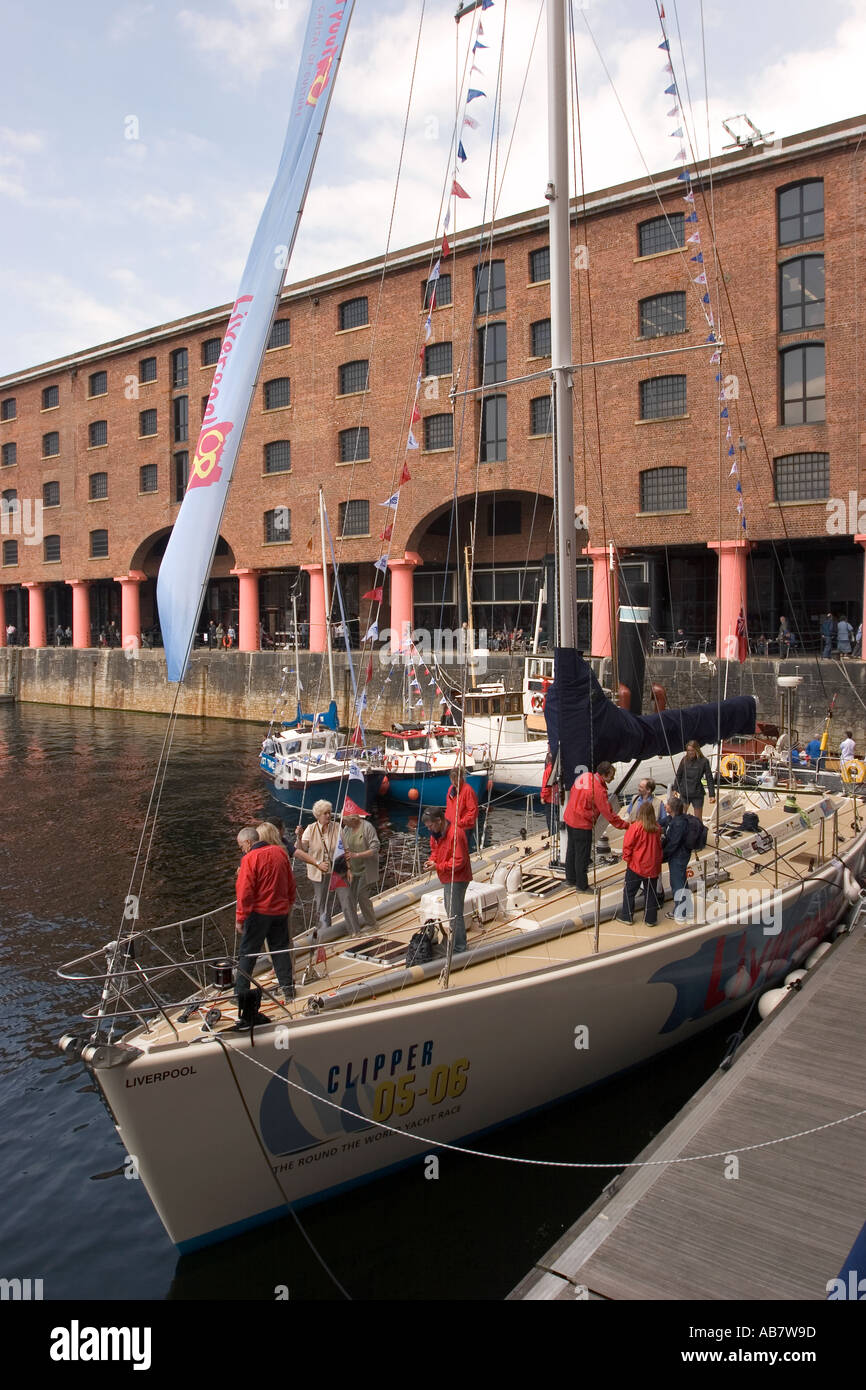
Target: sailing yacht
{"x":386,"y":1054}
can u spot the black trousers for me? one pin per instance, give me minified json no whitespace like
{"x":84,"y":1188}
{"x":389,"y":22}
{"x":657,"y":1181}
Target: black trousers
{"x":632,"y":883}
{"x":258,"y":930}
{"x":577,"y":858}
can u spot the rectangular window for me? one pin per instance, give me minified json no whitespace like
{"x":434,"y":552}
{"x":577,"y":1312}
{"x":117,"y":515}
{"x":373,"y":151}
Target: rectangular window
{"x":504,"y":518}
{"x":663,"y":314}
{"x":51,"y":549}
{"x":801,"y":478}
{"x":801,"y":212}
{"x":490,"y":287}
{"x":98,"y":486}
{"x":9,"y":454}
{"x":210,"y":352}
{"x":353,"y":313}
{"x":493,"y":353}
{"x":539,"y":338}
{"x":278,"y":456}
{"x":539,"y":265}
{"x":354,"y":518}
{"x":661,"y":234}
{"x":179,"y":368}
{"x":97,"y":433}
{"x":181,"y":474}
{"x":98,"y":384}
{"x":51,"y":494}
{"x":354,"y":377}
{"x":180,"y":418}
{"x":662,"y":397}
{"x":540,"y":419}
{"x":494,"y":434}
{"x":663,"y":490}
{"x":439,"y":432}
{"x":278,"y":525}
{"x":9,"y":408}
{"x":148,"y":478}
{"x":147,"y":423}
{"x":147,"y":370}
{"x":50,"y":445}
{"x":354,"y":444}
{"x":281,"y":334}
{"x":437,"y":359}
{"x":50,"y":397}
{"x":436,"y":292}
{"x":278,"y":393}
{"x":99,"y":545}
{"x":801,"y":294}
{"x":803,"y":385}
{"x":204,"y":401}
{"x":10,"y":552}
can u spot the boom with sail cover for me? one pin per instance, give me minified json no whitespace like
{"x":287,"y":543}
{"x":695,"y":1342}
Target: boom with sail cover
{"x":186,"y":565}
{"x":586,"y":728}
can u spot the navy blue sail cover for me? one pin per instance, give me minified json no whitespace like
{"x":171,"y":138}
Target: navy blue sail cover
{"x":587,"y":728}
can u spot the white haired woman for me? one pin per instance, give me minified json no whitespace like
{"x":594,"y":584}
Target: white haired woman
{"x":320,"y":840}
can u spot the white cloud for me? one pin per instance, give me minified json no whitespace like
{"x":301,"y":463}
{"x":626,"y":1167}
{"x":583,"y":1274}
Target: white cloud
{"x":21,"y":141}
{"x":261,"y":36}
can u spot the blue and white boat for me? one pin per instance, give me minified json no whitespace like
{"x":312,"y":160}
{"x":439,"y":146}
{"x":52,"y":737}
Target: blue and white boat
{"x":419,"y":760}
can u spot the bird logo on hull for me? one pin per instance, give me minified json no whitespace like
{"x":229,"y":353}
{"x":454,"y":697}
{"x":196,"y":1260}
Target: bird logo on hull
{"x":205,"y":466}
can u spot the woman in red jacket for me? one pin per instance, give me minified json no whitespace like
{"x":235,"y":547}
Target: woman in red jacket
{"x":642,"y":852}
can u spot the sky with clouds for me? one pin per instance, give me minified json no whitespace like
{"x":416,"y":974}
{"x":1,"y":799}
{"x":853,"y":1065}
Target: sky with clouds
{"x":103,"y":235}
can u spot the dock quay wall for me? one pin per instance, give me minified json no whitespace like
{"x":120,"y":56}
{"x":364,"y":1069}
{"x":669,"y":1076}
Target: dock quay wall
{"x":246,"y":685}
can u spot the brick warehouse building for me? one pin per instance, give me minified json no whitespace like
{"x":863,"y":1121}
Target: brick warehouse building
{"x":102,"y":438}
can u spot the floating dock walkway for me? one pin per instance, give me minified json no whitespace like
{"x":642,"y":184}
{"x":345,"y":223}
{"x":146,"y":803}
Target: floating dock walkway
{"x":774,"y":1221}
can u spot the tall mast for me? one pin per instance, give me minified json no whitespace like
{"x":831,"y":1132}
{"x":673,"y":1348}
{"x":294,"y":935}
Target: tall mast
{"x":327,"y":593}
{"x":560,"y":316}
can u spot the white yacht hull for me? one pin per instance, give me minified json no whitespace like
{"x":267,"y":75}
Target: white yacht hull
{"x":223,"y":1143}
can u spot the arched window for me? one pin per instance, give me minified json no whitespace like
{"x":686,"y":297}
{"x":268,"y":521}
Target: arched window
{"x":801,"y":212}
{"x":801,"y":293}
{"x":278,"y":526}
{"x":99,"y":545}
{"x":803,"y":385}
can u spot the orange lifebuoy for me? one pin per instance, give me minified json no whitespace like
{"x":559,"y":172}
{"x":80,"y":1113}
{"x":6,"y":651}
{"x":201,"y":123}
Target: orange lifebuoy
{"x":733,"y":765}
{"x":537,"y":703}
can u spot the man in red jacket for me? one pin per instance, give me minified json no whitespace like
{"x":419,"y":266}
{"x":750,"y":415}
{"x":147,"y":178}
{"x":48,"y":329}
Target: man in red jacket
{"x":587,"y":801}
{"x":461,"y":802}
{"x":265,"y":892}
{"x":449,"y":856}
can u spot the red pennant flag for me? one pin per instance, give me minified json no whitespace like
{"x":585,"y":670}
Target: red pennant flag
{"x":446,"y":249}
{"x":416,"y":415}
{"x":457,"y":191}
{"x":405,"y":476}
{"x":386,"y":534}
{"x":357,"y":740}
{"x":375,"y":595}
{"x":369,"y":673}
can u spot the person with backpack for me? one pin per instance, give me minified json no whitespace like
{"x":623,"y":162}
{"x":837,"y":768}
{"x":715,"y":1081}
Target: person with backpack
{"x":677,"y":853}
{"x":642,"y":852}
{"x":693,"y":770}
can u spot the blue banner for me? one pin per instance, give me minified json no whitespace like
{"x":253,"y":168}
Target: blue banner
{"x":186,"y":565}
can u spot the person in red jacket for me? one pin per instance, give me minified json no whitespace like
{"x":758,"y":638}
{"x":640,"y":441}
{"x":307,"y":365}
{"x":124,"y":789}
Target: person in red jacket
{"x":449,"y":856}
{"x":587,"y":801}
{"x":265,"y":894}
{"x":461,"y":801}
{"x":642,"y":852}
{"x":549,"y":788}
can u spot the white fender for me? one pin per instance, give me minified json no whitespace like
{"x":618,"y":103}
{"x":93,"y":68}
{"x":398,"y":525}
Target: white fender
{"x":816,"y":955}
{"x":514,"y":879}
{"x":769,"y":1001}
{"x":850,"y":886}
{"x":500,"y":874}
{"x":794,"y":978}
